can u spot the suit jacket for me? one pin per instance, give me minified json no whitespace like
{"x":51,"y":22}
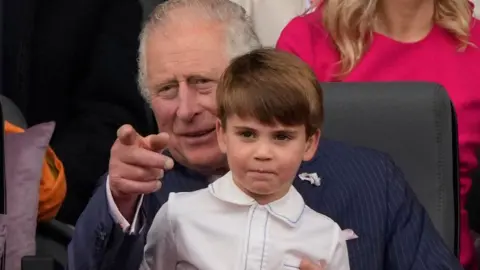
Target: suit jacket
{"x":360,"y":189}
{"x":74,"y":62}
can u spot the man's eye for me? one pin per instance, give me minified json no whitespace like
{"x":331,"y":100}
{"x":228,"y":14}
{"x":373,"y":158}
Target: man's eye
{"x":167,"y":91}
{"x":202,"y":81}
{"x":165,"y":88}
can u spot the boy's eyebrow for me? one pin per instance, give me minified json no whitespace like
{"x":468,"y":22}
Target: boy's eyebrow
{"x":243,"y":127}
{"x":286,"y":130}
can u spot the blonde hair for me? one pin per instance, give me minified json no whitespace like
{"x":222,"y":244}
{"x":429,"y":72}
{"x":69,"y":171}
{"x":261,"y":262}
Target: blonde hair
{"x":350,"y":25}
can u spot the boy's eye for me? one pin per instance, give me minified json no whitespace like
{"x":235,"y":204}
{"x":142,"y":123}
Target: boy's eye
{"x":282,"y":137}
{"x":247,"y":134}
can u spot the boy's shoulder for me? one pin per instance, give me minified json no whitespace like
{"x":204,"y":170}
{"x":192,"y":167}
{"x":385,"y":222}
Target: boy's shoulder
{"x":183,"y":201}
{"x":317,"y":222}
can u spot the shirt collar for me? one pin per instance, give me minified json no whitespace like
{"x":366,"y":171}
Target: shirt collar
{"x":288,"y":209}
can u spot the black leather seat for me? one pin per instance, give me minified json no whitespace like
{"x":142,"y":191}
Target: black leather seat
{"x":415,"y":124}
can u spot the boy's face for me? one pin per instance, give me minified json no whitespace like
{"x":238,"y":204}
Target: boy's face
{"x":263,"y":159}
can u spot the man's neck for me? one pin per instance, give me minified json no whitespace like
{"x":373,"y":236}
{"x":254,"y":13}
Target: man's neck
{"x":405,"y":20}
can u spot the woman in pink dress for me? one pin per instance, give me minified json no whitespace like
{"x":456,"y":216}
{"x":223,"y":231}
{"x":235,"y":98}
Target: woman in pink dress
{"x":401,"y":40}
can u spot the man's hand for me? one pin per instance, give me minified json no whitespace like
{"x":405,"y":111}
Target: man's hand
{"x":136,"y":167}
{"x":307,"y":264}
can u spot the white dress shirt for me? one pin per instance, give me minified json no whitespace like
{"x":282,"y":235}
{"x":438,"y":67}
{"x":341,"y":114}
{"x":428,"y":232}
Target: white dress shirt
{"x":222,"y":228}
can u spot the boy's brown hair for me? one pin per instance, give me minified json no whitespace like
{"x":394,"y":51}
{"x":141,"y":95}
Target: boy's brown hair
{"x":271,"y":86}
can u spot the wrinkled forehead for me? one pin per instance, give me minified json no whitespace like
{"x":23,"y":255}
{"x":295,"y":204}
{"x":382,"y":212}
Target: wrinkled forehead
{"x":185,"y":48}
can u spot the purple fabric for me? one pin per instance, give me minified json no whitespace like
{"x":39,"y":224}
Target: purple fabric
{"x":24,"y":153}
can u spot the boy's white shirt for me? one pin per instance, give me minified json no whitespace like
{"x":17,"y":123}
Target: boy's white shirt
{"x":221,"y":228}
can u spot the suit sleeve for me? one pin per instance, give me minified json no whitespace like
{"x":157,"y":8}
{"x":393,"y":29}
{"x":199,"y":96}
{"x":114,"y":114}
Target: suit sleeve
{"x":160,"y":249}
{"x":100,"y":243}
{"x":412,"y":241}
{"x":106,"y":98}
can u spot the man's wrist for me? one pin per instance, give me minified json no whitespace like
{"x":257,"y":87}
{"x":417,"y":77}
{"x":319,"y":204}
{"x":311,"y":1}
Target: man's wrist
{"x":127,"y":206}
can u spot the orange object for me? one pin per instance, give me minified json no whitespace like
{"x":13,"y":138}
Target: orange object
{"x":53,"y":186}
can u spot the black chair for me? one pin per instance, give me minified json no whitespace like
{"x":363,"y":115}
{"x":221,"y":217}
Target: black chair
{"x":52,"y":237}
{"x":415,"y":124}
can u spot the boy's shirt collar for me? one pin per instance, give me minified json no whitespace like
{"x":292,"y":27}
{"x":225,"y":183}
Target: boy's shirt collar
{"x":288,"y":209}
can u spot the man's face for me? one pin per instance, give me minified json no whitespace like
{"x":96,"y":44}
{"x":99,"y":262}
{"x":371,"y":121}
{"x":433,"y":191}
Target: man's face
{"x":184,"y":63}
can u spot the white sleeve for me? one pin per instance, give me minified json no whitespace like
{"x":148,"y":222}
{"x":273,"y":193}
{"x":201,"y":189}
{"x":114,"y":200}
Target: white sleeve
{"x":160,"y":251}
{"x":339,"y":259}
{"x":118,"y":217}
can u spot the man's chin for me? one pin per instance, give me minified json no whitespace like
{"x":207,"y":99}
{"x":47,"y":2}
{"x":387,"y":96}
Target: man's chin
{"x":204,"y":160}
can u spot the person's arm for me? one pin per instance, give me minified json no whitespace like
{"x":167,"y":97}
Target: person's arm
{"x":100,"y":243}
{"x":128,"y":226}
{"x":296,"y":38}
{"x":160,"y":250}
{"x":311,"y":43}
{"x":101,"y":102}
{"x":412,"y":241}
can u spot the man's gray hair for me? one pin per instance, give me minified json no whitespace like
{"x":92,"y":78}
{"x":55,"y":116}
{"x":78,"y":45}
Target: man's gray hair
{"x":240,"y":35}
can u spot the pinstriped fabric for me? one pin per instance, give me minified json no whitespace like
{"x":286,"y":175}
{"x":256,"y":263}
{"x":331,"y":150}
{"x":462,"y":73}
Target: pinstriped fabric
{"x":364,"y":191}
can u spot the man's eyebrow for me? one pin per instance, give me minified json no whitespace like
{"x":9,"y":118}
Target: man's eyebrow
{"x":164,"y":82}
{"x":211,"y":74}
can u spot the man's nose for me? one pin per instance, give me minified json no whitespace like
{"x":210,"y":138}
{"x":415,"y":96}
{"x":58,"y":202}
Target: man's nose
{"x":263,"y":150}
{"x":189,"y":105}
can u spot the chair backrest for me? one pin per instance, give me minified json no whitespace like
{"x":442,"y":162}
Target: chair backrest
{"x":11,"y":112}
{"x":415,"y":124}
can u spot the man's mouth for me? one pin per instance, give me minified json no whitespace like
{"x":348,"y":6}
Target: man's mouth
{"x":199,"y":133}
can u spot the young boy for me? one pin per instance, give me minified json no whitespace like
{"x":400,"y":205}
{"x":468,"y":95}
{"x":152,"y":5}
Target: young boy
{"x":270,"y":112}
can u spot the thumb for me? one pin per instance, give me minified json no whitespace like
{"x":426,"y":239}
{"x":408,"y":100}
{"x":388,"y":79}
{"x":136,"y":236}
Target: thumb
{"x":157,"y":142}
{"x":127,"y":135}
{"x":307,"y":264}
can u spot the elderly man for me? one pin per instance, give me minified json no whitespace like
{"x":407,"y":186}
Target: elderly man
{"x":185,"y":46}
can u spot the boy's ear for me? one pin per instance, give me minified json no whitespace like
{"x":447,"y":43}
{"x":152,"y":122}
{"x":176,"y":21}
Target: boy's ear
{"x":220,"y":130}
{"x":312,"y":145}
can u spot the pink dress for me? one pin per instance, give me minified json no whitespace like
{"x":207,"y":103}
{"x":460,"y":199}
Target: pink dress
{"x":433,"y":59}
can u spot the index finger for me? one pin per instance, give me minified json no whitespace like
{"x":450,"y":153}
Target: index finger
{"x":127,"y":135}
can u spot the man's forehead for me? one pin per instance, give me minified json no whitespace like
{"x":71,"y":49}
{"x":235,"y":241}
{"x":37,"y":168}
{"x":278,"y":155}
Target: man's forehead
{"x":187,"y":35}
{"x":184,"y":57}
{"x":188,"y":20}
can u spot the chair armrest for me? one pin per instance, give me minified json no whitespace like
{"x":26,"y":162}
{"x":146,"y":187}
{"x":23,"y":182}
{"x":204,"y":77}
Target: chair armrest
{"x":52,"y":241}
{"x":40,"y":263}
{"x":59,"y":232}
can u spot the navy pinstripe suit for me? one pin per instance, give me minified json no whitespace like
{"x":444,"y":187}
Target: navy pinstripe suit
{"x":361,"y":190}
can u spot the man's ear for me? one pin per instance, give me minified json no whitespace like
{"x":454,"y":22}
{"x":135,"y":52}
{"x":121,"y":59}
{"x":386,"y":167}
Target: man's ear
{"x":221,"y":136}
{"x":312,"y":145}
